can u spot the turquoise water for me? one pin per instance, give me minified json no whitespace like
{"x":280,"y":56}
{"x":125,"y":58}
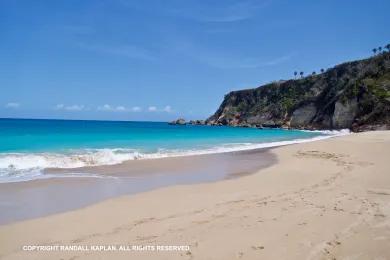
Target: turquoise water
{"x":29,"y":146}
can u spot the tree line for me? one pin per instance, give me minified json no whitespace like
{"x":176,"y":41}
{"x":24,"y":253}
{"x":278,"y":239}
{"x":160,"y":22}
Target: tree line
{"x":376,"y":50}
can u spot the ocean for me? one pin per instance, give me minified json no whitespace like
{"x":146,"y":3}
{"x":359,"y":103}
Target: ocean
{"x":29,"y":146}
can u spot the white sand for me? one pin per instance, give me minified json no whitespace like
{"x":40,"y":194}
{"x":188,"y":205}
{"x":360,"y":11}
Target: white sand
{"x":328,"y":199}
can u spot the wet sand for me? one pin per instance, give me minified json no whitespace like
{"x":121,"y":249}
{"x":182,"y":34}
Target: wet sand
{"x":31,"y":199}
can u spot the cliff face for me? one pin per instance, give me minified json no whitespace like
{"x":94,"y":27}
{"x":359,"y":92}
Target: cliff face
{"x":353,"y":95}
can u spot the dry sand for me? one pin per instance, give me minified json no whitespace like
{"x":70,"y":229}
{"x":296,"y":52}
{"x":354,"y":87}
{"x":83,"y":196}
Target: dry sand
{"x":328,"y":199}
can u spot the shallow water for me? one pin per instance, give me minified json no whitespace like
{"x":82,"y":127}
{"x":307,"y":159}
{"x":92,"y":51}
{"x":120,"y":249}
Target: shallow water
{"x":28,"y":147}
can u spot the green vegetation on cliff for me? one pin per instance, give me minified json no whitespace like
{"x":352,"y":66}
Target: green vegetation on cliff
{"x":353,"y":95}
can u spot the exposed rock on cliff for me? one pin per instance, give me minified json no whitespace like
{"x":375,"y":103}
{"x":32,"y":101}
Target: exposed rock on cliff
{"x":353,"y":95}
{"x":302,"y":116}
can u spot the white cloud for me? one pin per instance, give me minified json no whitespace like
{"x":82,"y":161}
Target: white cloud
{"x":74,"y":107}
{"x":107,"y":107}
{"x":152,"y":109}
{"x":167,"y":109}
{"x":12,"y":105}
{"x":120,"y":108}
{"x":136,"y":109}
{"x":59,"y":106}
{"x":70,"y":107}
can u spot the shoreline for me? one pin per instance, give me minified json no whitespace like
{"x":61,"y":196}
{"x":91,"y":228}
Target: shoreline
{"x":128,"y":178}
{"x":324,"y":199}
{"x":44,"y":173}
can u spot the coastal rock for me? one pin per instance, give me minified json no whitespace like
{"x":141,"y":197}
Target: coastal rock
{"x":272,"y":124}
{"x":303,"y":115}
{"x":258,"y":119}
{"x":179,"y":121}
{"x":197,"y":122}
{"x":344,"y":113}
{"x":245,"y":125}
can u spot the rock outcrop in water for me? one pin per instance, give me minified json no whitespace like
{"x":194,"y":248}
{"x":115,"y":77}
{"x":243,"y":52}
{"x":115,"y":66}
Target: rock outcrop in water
{"x":182,"y":121}
{"x":353,"y":95}
{"x":179,"y":121}
{"x":197,"y":122}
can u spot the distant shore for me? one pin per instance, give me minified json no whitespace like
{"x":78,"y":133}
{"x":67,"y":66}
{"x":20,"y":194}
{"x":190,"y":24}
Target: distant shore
{"x":321,"y":200}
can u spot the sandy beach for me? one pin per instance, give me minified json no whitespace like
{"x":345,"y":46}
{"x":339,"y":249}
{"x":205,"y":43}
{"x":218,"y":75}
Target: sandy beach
{"x":326,"y":199}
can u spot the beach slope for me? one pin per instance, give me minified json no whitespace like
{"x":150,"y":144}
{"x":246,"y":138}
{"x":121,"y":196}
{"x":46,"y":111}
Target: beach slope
{"x":327,"y":199}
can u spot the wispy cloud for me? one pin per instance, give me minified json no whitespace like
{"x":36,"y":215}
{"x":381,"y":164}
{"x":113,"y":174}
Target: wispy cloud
{"x":226,"y":62}
{"x":12,"y":105}
{"x":222,"y":58}
{"x":125,"y":50}
{"x":278,"y":60}
{"x":70,"y":107}
{"x":218,"y":12}
{"x":77,"y":29}
{"x":239,"y":11}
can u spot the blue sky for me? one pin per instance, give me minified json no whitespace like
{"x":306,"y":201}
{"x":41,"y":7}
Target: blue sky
{"x":157,"y":60}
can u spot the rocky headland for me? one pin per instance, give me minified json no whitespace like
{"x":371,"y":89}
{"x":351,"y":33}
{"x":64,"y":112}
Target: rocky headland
{"x":354,"y":95}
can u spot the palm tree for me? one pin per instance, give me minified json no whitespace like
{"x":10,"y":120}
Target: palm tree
{"x":322,"y":70}
{"x":301,"y":73}
{"x":313,"y":73}
{"x":388,"y":47}
{"x":379,"y":49}
{"x":374,"y":51}
{"x":295,"y":74}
